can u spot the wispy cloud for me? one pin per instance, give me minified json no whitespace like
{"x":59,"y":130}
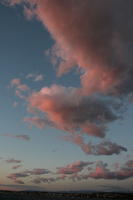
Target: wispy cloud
{"x":76,"y":171}
{"x":15,"y":104}
{"x":22,"y":137}
{"x":73,"y":168}
{"x":38,"y":171}
{"x":16,"y":166}
{"x":16,"y":177}
{"x":21,"y":90}
{"x":48,"y":180}
{"x":35,"y":77}
{"x":17,"y":83}
{"x":21,"y":187}
{"x":12,"y":160}
{"x":37,"y":121}
{"x":103,"y":148}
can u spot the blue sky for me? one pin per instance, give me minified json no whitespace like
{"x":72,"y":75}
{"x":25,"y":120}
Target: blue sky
{"x":22,"y":57}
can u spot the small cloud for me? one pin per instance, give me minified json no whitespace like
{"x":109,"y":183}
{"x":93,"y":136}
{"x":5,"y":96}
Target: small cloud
{"x":38,"y":78}
{"x":16,"y":177}
{"x":22,"y":137}
{"x":35,"y":77}
{"x":12,"y":160}
{"x":20,"y":88}
{"x":38,"y":171}
{"x":16,"y":167}
{"x":15,"y":104}
{"x":129,"y":163}
{"x":17,"y":83}
{"x":73,"y":168}
{"x":19,"y":181}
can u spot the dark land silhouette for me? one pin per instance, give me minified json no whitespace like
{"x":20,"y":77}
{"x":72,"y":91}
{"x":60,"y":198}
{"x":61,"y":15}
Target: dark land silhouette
{"x":29,"y":195}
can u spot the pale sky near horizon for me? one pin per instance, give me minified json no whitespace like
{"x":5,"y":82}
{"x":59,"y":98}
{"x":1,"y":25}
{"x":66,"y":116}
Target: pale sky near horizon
{"x":38,"y":155}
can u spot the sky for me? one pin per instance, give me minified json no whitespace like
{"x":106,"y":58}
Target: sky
{"x":66,"y":107}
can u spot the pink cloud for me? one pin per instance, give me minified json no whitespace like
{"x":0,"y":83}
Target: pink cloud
{"x":66,"y":109}
{"x":103,"y":148}
{"x":96,"y":43}
{"x":99,"y":44}
{"x":20,"y":88}
{"x":75,"y":171}
{"x":16,"y":177}
{"x":17,"y":83}
{"x":73,"y":168}
{"x":101,"y":172}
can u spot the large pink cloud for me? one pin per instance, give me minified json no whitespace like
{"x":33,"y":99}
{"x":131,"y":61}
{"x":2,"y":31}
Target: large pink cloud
{"x":96,"y":38}
{"x":66,"y":109}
